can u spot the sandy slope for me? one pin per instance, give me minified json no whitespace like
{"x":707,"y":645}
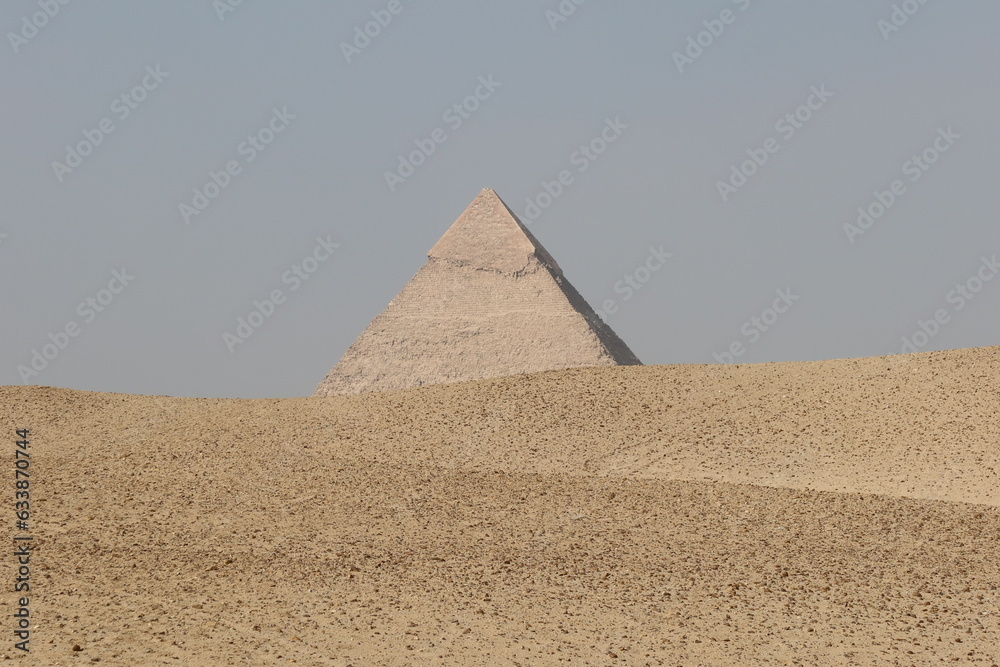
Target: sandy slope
{"x":594,"y":516}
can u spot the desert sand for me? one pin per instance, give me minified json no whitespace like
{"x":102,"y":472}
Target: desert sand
{"x":828,"y":513}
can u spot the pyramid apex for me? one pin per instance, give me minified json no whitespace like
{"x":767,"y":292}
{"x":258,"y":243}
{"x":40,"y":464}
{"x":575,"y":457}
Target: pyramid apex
{"x":489,"y":236}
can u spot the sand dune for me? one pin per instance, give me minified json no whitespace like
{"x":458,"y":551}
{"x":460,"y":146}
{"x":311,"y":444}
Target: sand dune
{"x":826,"y":513}
{"x":921,"y":426}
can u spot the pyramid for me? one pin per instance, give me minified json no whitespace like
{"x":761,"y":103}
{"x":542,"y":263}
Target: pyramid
{"x":489,"y":302}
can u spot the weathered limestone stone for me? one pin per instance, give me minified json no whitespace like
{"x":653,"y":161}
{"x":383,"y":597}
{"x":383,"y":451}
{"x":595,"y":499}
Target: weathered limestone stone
{"x":489,"y":302}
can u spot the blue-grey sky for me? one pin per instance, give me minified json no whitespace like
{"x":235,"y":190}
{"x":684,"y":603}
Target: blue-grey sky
{"x":93,"y":183}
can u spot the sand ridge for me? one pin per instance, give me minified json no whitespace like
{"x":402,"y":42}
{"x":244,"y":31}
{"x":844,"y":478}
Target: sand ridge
{"x":921,"y":426}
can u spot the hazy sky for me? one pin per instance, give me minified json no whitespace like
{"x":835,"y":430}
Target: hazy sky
{"x":115,"y":113}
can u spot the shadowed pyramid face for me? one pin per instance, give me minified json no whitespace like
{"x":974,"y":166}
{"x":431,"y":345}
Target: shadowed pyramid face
{"x":489,"y":302}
